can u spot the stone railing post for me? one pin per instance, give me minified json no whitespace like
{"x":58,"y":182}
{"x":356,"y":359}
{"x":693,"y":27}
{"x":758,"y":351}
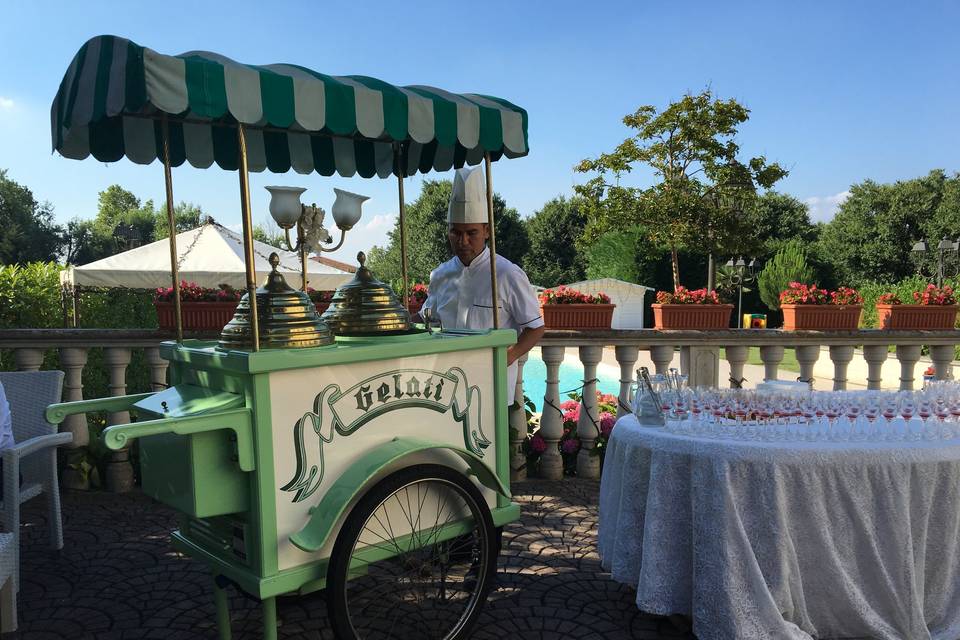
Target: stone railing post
{"x":72,"y":361}
{"x":942,"y":356}
{"x":908,"y":355}
{"x":158,"y":368}
{"x":518,"y":428}
{"x":551,"y":418}
{"x":662,"y":356}
{"x":28,"y":359}
{"x":588,"y":464}
{"x":875,"y":355}
{"x":701,"y":364}
{"x":119,"y":473}
{"x":807,"y":357}
{"x":627,"y":356}
{"x":772,"y":356}
{"x":841,"y":355}
{"x":737,"y":357}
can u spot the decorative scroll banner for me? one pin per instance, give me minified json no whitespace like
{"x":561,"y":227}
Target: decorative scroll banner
{"x":351,"y":409}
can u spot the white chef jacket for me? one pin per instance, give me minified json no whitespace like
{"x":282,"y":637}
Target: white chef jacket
{"x":6,"y":425}
{"x":460,"y":296}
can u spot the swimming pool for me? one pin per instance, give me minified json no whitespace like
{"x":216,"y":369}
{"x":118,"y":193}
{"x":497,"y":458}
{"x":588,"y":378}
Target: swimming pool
{"x":571,"y":378}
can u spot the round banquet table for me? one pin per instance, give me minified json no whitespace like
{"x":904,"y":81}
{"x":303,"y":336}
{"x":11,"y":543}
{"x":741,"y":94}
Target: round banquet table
{"x":784,"y":540}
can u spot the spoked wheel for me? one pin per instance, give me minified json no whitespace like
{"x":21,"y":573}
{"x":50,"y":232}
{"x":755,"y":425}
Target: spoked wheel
{"x":415,"y":559}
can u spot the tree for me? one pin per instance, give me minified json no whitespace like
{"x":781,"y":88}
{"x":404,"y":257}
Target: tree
{"x":703,"y":187}
{"x":554,"y":257}
{"x":623,"y":255}
{"x":427,"y":245}
{"x":271,"y":233}
{"x":186,"y":216}
{"x":774,"y":220}
{"x":871,"y":236}
{"x":27,"y":230}
{"x":789,"y":265}
{"x":82,"y":243}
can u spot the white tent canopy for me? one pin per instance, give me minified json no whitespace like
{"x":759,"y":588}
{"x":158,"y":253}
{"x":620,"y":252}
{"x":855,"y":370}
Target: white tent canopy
{"x":627,"y":296}
{"x":209,"y":255}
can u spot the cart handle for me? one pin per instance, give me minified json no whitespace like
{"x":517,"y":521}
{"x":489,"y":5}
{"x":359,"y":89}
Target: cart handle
{"x":57,"y":413}
{"x":355,"y":480}
{"x":238,"y":420}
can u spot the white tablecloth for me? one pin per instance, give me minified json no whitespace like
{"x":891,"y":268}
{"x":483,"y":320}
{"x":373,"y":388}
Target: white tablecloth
{"x":785,"y":540}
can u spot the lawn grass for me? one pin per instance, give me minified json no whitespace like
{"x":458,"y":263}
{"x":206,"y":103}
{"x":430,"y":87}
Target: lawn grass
{"x":789,"y":362}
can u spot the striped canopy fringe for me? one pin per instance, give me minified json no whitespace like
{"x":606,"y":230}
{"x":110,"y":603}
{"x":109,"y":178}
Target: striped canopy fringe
{"x":115,"y":93}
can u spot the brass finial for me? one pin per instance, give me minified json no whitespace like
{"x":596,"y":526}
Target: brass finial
{"x":361,"y":258}
{"x":274,"y":260}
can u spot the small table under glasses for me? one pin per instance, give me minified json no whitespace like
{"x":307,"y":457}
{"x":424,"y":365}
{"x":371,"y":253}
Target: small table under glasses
{"x":785,"y":540}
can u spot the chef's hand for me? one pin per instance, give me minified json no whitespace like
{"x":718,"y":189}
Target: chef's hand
{"x":527,"y":340}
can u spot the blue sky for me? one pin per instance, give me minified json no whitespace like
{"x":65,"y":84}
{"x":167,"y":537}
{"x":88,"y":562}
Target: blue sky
{"x":839,"y":91}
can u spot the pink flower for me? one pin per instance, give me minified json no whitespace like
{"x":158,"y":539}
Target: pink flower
{"x":570,"y":446}
{"x":607,"y":420}
{"x":572,"y":415}
{"x":537,"y":443}
{"x":567,"y":405}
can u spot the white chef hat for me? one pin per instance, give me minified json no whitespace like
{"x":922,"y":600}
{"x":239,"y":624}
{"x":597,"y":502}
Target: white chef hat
{"x":468,"y":202}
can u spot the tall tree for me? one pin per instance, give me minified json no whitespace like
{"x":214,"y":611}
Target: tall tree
{"x":554,"y":257}
{"x":871,"y":236}
{"x":186,"y":216}
{"x":703,"y":187}
{"x":427,"y":245}
{"x":27,"y":229}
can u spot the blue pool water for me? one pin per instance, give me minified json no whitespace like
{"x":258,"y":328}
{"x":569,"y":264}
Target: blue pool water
{"x":571,"y":379}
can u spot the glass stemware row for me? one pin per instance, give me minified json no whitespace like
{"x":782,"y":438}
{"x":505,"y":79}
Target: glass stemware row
{"x":932,"y":413}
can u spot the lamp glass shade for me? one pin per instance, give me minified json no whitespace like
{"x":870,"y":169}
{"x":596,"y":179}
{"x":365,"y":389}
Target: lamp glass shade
{"x":285,"y":205}
{"x":346,"y":208}
{"x":919,"y":246}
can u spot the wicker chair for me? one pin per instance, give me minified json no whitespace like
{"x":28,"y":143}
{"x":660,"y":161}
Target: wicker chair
{"x":8,"y":593}
{"x":29,"y":393}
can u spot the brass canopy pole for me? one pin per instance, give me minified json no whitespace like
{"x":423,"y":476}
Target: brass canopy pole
{"x":403,"y":227}
{"x":494,"y":298}
{"x":248,"y":258}
{"x":172,"y":229}
{"x":303,"y":256}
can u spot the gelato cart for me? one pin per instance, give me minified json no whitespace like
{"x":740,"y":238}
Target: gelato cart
{"x":354,"y":452}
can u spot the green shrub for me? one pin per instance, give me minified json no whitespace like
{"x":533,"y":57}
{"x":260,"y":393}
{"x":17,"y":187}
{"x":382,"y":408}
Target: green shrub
{"x":788,"y":265}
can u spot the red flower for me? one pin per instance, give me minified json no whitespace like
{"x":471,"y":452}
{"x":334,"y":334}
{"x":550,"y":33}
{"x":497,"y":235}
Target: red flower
{"x":682,"y":295}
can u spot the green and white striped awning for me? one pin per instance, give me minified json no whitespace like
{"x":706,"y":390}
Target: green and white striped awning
{"x":115,"y":93}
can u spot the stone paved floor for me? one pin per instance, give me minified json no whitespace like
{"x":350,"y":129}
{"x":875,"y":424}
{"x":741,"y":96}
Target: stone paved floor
{"x":118,"y":578}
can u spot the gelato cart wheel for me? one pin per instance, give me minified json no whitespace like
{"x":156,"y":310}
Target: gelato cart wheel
{"x":415,"y":559}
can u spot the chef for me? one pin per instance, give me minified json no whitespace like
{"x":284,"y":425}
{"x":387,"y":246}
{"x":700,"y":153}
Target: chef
{"x":459,"y":294}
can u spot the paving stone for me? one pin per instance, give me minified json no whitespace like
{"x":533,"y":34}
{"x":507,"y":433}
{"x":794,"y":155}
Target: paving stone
{"x":117,"y":578}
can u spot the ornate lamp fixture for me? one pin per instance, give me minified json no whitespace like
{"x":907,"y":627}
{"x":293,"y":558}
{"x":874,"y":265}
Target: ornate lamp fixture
{"x":946,"y":266}
{"x":741,"y":273}
{"x":288,"y":212}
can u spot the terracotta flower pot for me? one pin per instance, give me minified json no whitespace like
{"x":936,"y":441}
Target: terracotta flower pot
{"x":820,"y":317}
{"x":197,"y":316}
{"x":414,"y":306}
{"x":916,"y":316}
{"x":578,"y":316}
{"x":691,"y":316}
{"x":204,"y":316}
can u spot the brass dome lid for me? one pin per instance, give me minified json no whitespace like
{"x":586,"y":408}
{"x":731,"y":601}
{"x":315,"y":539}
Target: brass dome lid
{"x":288,"y":319}
{"x":366,"y":306}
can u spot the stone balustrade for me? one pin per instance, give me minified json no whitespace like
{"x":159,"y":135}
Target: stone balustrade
{"x":699,"y":359}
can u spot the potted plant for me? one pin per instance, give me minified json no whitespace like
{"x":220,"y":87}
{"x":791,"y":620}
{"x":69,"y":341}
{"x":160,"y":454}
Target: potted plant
{"x":686,"y":309}
{"x":418,"y":295}
{"x":810,"y":307}
{"x":321,"y":299}
{"x":933,"y":308}
{"x":565,"y":308}
{"x":203,"y":309}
